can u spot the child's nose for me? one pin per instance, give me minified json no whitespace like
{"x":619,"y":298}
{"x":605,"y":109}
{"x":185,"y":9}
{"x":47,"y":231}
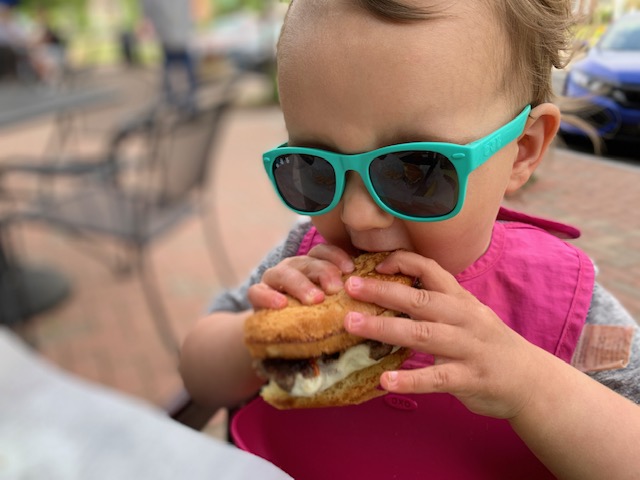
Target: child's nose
{"x":359,"y":211}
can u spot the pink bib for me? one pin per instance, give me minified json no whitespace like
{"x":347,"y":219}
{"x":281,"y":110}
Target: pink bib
{"x":537,"y":284}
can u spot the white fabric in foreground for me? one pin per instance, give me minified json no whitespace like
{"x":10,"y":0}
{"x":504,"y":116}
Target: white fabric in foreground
{"x":58,"y":427}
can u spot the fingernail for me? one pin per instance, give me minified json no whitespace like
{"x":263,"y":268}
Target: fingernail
{"x":279,"y":301}
{"x":314,"y":296}
{"x":335,"y":287}
{"x":355,"y":282}
{"x":392,"y":379}
{"x":355,"y":319}
{"x":347,"y":267}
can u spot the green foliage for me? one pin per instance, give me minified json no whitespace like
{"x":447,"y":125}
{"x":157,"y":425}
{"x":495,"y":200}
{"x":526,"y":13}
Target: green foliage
{"x":51,"y":4}
{"x":132,"y":12}
{"x":77,"y":8}
{"x":61,"y":12}
{"x":229,"y":6}
{"x":603,"y":15}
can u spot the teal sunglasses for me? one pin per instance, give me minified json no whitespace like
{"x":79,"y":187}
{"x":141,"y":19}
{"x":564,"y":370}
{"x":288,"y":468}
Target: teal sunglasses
{"x":419,"y":181}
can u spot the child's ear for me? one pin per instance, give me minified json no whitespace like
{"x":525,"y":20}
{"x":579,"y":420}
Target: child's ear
{"x":539,"y":131}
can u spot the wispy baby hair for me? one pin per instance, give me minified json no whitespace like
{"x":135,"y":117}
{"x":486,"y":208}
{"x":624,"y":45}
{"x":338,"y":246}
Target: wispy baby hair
{"x":538,"y":33}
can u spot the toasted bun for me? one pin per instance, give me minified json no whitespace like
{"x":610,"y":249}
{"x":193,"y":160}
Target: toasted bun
{"x":303,"y":331}
{"x":358,"y":387}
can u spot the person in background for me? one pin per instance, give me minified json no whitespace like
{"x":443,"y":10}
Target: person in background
{"x":16,"y":46}
{"x":49,"y":50}
{"x":173,"y":25}
{"x":39,"y":48}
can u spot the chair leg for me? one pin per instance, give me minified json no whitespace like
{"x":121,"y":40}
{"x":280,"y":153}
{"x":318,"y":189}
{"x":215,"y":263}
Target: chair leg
{"x":217,"y":251}
{"x":185,"y":411}
{"x":156,"y":305}
{"x":14,"y":298}
{"x":9,"y":307}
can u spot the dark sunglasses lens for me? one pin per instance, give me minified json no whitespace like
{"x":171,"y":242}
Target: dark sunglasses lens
{"x":418,"y":184}
{"x":306,"y":183}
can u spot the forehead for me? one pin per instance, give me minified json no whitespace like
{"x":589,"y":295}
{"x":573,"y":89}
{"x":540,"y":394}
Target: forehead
{"x":337,"y":60}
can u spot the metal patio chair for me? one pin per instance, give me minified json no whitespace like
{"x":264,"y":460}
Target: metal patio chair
{"x":136,"y":199}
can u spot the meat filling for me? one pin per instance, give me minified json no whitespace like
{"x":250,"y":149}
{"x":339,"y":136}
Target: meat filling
{"x":284,"y":371}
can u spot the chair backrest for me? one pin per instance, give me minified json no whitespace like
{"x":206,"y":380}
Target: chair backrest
{"x":177,"y":148}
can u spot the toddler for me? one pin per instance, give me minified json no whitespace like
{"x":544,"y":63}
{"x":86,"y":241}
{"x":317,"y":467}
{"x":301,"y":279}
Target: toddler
{"x":408,"y":122}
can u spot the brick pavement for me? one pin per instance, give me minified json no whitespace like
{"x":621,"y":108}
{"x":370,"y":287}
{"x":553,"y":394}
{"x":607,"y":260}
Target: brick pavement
{"x":104,"y":332}
{"x":598,"y":196}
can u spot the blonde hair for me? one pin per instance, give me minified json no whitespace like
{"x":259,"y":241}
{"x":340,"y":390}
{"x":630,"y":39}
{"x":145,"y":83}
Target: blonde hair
{"x":538,"y":38}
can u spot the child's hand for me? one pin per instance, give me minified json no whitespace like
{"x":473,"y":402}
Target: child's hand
{"x":485,"y":364}
{"x":306,"y":277}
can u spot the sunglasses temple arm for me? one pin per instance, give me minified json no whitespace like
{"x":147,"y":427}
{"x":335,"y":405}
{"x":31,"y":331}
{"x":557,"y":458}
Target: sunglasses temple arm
{"x":488,"y":146}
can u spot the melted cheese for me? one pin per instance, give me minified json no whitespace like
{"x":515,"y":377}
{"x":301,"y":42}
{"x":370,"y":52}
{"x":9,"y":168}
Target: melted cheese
{"x":351,"y":360}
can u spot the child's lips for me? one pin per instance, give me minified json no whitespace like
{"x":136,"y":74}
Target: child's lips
{"x":373,"y":241}
{"x":360,"y":251}
{"x":377,"y":248}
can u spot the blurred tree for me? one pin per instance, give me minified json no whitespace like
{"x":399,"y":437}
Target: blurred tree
{"x":228,"y":6}
{"x":131,"y":11}
{"x":73,"y":12}
{"x":50,"y":4}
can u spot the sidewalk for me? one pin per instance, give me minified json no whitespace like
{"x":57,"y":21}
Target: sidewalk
{"x":599,"y":197}
{"x":103,"y":332}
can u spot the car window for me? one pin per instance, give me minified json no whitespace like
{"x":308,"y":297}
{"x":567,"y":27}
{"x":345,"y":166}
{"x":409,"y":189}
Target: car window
{"x":623,"y":35}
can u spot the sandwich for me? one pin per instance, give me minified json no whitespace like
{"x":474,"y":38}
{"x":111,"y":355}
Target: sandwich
{"x":310,"y":360}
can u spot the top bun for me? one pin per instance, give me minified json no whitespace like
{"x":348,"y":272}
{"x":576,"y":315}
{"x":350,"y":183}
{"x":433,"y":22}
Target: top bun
{"x":304,"y":331}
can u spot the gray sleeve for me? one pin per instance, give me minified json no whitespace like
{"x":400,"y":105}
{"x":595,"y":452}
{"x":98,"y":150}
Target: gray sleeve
{"x":235,"y":300}
{"x":606,"y":310}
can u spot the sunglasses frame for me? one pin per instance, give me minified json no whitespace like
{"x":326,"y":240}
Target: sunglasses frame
{"x":465,"y":159}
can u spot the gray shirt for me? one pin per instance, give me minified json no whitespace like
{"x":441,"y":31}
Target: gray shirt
{"x":604,"y":310}
{"x":171,"y":20}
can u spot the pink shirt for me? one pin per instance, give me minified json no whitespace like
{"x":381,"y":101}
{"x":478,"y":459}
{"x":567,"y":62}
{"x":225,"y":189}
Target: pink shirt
{"x":538,"y":284}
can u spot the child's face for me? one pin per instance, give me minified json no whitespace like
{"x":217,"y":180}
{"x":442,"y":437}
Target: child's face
{"x":350,"y":82}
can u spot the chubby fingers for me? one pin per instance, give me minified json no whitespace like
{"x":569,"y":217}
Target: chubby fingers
{"x":431,"y":275}
{"x":447,"y":377}
{"x":262,"y":295}
{"x":307,"y":277}
{"x":417,"y":303}
{"x":439,"y":339}
{"x":441,"y":298}
{"x":301,"y":285}
{"x":334,"y":255}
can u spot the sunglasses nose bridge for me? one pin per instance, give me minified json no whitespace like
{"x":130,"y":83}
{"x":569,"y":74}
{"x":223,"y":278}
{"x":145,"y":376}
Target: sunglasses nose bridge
{"x":353,"y":163}
{"x":350,"y":163}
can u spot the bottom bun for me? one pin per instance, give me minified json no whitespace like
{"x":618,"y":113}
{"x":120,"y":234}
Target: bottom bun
{"x":358,"y":387}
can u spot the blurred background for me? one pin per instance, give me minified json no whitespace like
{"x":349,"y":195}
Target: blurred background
{"x":87,"y":83}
